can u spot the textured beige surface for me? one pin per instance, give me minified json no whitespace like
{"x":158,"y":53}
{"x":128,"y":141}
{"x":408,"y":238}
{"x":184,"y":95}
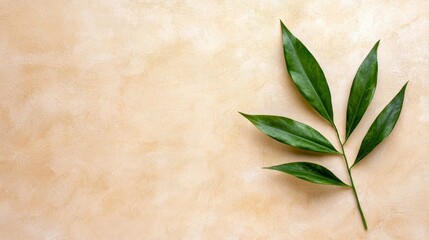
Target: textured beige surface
{"x":119,"y":120}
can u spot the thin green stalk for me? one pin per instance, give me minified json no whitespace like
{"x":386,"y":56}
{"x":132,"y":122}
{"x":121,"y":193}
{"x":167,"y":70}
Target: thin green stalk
{"x":351,"y":179}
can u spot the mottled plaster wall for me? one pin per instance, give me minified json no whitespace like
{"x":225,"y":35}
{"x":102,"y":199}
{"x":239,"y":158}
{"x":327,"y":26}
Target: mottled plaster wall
{"x":118,"y":120}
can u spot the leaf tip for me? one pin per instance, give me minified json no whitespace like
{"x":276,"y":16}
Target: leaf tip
{"x":377,"y":43}
{"x":269,"y":168}
{"x":375,"y":48}
{"x":243,"y":114}
{"x":284,"y":28}
{"x":404,"y":87}
{"x":275,"y":168}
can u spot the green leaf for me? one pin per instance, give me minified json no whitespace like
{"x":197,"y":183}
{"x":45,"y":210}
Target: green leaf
{"x":310,"y":172}
{"x":362,"y":90}
{"x":382,"y":126}
{"x":307,"y":74}
{"x":292,"y":133}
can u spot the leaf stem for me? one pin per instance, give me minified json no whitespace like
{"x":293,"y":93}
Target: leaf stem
{"x":351,"y":178}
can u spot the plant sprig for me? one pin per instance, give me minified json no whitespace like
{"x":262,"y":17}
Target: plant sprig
{"x":310,"y":80}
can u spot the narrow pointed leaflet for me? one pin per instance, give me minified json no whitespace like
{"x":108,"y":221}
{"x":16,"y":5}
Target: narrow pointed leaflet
{"x":382,"y":126}
{"x":307,"y":75}
{"x":292,"y":133}
{"x":310,"y":172}
{"x":362,"y":90}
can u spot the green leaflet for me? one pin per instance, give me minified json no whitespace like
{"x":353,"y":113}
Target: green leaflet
{"x":362,"y":90}
{"x":382,"y":126}
{"x":307,"y":75}
{"x":291,"y":132}
{"x":310,"y":172}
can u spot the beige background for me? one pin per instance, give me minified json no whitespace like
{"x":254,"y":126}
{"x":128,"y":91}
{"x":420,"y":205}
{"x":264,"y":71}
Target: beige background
{"x":119,"y":120}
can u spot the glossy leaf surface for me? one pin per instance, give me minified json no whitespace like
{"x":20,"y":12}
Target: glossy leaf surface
{"x":382,"y":126}
{"x":362,"y":90}
{"x":310,"y":172}
{"x":307,"y":74}
{"x":292,"y":133}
